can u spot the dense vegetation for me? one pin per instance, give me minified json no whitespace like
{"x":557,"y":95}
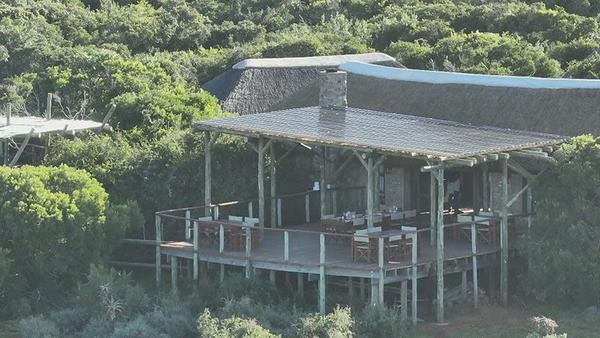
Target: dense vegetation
{"x":54,"y":222}
{"x":563,"y":246}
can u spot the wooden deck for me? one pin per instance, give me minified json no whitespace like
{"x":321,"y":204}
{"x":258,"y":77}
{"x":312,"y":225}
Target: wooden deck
{"x":304,"y":255}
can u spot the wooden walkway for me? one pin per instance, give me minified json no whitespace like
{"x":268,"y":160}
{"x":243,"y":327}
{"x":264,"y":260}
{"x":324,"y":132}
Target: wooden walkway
{"x":304,"y":255}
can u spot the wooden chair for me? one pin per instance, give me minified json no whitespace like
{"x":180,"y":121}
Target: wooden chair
{"x":406,"y":248}
{"x":393,"y":248}
{"x":361,"y":247}
{"x":486,"y":231}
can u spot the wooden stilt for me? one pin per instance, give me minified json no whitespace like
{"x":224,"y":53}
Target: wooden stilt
{"x":158,"y":241}
{"x":222,"y":273}
{"x":300,"y":283}
{"x":307,"y":207}
{"x":350,"y":288}
{"x":404,"y":300}
{"x":414,"y":291}
{"x":463,"y":284}
{"x":272,"y":277}
{"x":474,"y":259}
{"x":322,"y":277}
{"x":381,"y":279}
{"x":362,"y":289}
{"x":174,"y":274}
{"x":195,"y":255}
{"x":248,"y":252}
{"x":374,"y":292}
{"x":504,"y":235}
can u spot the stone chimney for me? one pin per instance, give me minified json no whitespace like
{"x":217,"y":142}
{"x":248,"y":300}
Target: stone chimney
{"x":332,"y":89}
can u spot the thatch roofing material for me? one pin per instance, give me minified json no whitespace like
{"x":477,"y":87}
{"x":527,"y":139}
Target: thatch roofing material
{"x":568,"y":111}
{"x":22,"y":126}
{"x":255,"y":85}
{"x":388,"y":133}
{"x":314,"y":61}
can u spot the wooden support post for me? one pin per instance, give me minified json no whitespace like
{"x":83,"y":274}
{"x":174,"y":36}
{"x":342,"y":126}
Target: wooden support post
{"x":504,"y":235}
{"x":250,"y":210}
{"x":274,"y":201}
{"x":158,"y":240}
{"x":188,"y":225}
{"x":300,"y":282}
{"x":196,"y":254}
{"x":381,"y":287}
{"x":286,"y":246}
{"x":21,"y":148}
{"x":307,"y":207}
{"x":474,"y":253}
{"x":362,"y":288}
{"x":485,"y":180}
{"x":334,"y":207}
{"x":374,"y":292}
{"x":261,"y":182}
{"x":350,"y":288}
{"x":432,"y":208}
{"x":222,"y":273}
{"x":414,"y":291}
{"x":272,"y":277}
{"x":49,"y":106}
{"x":248,"y":252}
{"x":279,"y":215}
{"x":323,"y":183}
{"x":221,"y":238}
{"x":476,"y":193}
{"x":370,"y":190}
{"x":404,"y":300}
{"x":322,"y":284}
{"x":463,"y":284}
{"x":207,"y":171}
{"x":440,"y":245}
{"x":174,"y":274}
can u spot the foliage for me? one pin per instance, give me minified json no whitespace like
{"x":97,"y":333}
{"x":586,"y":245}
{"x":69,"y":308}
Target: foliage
{"x":211,"y":327}
{"x":380,"y":321}
{"x":338,"y":323}
{"x":53,"y":224}
{"x":38,"y":327}
{"x":563,"y":243}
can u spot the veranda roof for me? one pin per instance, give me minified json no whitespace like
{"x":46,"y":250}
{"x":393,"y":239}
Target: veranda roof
{"x":387,"y":133}
{"x":21,"y":126}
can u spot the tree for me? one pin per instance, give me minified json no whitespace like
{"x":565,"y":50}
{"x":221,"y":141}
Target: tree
{"x":53,"y":224}
{"x":563,"y":243}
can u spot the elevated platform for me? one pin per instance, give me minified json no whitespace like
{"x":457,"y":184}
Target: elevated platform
{"x":304,"y":255}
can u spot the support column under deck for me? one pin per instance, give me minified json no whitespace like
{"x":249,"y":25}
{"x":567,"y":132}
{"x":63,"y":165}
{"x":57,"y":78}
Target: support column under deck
{"x":261,"y":182}
{"x":207,"y":171}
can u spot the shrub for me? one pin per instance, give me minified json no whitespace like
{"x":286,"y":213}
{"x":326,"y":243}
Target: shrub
{"x":380,"y":321}
{"x":338,"y":323}
{"x":37,"y":327}
{"x":70,"y":320}
{"x":136,"y":328}
{"x":97,"y":327}
{"x":210,"y":327}
{"x":52,"y":221}
{"x":564,"y":237}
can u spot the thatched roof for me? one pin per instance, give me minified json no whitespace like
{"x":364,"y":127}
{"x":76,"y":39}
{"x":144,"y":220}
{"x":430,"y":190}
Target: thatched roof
{"x":564,"y":107}
{"x":255,"y":85}
{"x":387,"y":133}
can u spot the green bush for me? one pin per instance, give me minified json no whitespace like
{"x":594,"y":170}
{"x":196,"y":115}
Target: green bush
{"x":210,"y":327}
{"x":338,"y":323}
{"x":563,"y":243}
{"x":53,"y":224}
{"x":380,"y":322}
{"x":38,"y":327}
